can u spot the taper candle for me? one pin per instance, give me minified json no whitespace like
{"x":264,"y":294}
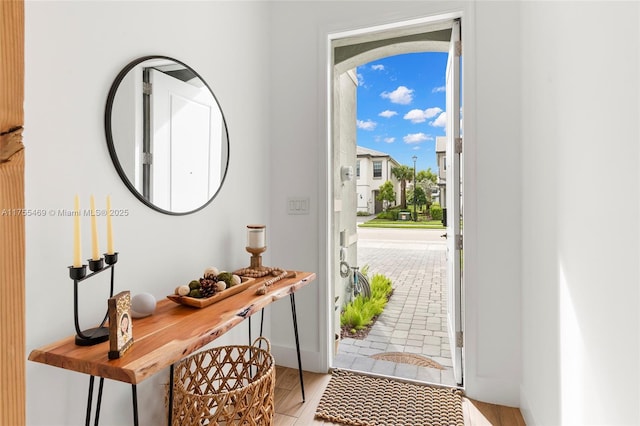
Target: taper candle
{"x":109,"y":227}
{"x":77,"y":259}
{"x":95,"y":253}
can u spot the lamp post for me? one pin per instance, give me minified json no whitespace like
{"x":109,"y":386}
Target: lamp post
{"x":415,"y":215}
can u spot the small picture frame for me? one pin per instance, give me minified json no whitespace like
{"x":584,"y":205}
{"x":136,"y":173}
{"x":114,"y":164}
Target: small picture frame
{"x":120,"y":324}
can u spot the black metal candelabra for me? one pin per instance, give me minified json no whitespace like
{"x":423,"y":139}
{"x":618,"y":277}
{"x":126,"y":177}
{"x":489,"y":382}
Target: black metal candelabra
{"x":99,"y":334}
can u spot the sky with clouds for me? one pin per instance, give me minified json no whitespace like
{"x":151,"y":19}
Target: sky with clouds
{"x":401,"y":106}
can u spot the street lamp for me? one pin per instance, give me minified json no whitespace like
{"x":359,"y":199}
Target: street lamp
{"x":415,"y":215}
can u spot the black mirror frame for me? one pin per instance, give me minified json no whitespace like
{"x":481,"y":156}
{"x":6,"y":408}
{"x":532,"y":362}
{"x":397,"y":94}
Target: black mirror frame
{"x":111,"y":145}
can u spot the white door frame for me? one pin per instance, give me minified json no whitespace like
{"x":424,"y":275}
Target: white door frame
{"x":347,"y":38}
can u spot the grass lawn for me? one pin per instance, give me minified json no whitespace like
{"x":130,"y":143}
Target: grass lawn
{"x":385,"y":223}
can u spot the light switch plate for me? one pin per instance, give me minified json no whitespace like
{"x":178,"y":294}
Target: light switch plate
{"x":298,"y":205}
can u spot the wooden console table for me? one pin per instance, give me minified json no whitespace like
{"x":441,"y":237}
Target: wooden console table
{"x":172,"y":333}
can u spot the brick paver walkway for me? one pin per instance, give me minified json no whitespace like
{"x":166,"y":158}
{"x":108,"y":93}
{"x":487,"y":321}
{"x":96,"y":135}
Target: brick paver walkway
{"x":414,"y":320}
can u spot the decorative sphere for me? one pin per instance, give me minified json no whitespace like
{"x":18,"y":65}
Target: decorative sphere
{"x":142,"y":305}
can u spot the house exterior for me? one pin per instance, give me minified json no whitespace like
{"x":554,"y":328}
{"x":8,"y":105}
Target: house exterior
{"x":441,"y":158}
{"x":373,"y":168}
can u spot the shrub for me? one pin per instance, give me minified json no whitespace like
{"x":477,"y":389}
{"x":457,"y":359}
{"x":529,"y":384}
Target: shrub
{"x":361,"y":311}
{"x":435,"y":211}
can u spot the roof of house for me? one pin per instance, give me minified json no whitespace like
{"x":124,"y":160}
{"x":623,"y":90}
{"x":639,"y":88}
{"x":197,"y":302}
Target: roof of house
{"x":362,"y":151}
{"x":366,"y":152}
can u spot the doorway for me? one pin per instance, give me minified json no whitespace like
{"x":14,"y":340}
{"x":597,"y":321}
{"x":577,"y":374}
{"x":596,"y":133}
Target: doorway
{"x":348,"y":52}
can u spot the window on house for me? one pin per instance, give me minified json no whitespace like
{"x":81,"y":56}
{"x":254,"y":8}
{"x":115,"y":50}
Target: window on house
{"x":377,"y":169}
{"x":358,"y":169}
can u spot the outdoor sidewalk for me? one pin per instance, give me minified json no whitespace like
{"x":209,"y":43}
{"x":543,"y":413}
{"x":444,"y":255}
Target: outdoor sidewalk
{"x":414,"y":321}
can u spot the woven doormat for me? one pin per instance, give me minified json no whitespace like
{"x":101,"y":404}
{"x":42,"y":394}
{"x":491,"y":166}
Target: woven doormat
{"x":359,"y":400}
{"x":405,"y":358}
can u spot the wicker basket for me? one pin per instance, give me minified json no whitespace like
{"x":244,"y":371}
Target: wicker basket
{"x":227,"y":385}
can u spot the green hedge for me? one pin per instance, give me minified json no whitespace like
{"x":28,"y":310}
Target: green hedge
{"x":435,"y":211}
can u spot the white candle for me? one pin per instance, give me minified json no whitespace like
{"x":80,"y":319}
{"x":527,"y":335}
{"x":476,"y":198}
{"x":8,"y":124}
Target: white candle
{"x":94,"y":231}
{"x":109,"y":227}
{"x":256,"y":237}
{"x":77,"y":261}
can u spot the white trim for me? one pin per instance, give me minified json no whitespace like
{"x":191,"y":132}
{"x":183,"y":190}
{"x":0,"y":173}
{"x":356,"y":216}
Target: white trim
{"x":406,"y":27}
{"x":287,"y":357}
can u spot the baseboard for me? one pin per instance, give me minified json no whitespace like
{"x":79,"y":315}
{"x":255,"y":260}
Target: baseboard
{"x":287,"y":357}
{"x":525,"y":409}
{"x":493,"y":390}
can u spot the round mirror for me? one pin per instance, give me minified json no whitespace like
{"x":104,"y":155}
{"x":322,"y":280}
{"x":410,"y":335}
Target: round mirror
{"x":167,"y":135}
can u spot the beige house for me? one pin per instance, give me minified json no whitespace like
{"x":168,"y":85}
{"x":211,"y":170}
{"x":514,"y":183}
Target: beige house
{"x":373,"y":168}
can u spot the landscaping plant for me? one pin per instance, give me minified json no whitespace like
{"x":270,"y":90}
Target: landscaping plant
{"x":361,"y":312}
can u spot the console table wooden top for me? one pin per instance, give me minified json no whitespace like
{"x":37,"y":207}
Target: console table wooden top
{"x":172,"y":333}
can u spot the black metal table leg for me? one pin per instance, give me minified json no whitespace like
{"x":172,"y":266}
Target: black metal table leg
{"x":100,"y":386}
{"x":87,"y":419}
{"x":134,"y":396}
{"x":170,"y":395}
{"x":261,"y":321}
{"x":295,"y":331}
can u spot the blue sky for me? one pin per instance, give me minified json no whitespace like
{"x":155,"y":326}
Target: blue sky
{"x":401,"y":106}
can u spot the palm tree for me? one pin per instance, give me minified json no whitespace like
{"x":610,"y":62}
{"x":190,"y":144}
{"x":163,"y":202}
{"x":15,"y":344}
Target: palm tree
{"x":403,"y":174}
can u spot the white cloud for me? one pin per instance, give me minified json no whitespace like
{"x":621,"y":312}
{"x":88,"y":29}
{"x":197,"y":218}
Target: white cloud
{"x":438,"y":89}
{"x":387,"y":114}
{"x":416,"y":138}
{"x":389,"y":140}
{"x":420,"y":116}
{"x":377,"y":67}
{"x":366,"y":125}
{"x":402,"y":95}
{"x":360,"y":79}
{"x":441,"y":121}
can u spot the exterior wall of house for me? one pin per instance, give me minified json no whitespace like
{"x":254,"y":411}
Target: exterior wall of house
{"x":441,"y":155}
{"x":344,"y":191}
{"x":368,"y":185}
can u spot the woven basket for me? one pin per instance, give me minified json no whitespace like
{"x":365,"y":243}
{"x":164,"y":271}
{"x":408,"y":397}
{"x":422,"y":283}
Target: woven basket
{"x":227,"y":385}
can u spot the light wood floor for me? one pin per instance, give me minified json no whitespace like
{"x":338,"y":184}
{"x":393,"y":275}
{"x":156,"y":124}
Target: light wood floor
{"x":290,"y":410}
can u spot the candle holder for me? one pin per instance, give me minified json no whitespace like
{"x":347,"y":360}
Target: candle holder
{"x":111,"y":259}
{"x":96,"y":264}
{"x":256,"y":257}
{"x":77,"y":272}
{"x":256,"y":245}
{"x":99,"y":334}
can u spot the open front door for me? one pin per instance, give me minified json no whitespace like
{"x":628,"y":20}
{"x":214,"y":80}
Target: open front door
{"x":453,"y":205}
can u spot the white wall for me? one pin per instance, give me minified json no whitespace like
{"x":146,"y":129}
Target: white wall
{"x":580,"y":255}
{"x":74,"y":50}
{"x":560,"y":79}
{"x":492,"y":244}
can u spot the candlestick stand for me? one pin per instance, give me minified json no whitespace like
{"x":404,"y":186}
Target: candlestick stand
{"x":256,"y":257}
{"x":91,"y":336}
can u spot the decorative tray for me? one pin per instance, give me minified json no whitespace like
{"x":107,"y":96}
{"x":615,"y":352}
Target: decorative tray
{"x":203,"y":302}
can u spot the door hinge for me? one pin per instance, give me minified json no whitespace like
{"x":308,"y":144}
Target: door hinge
{"x":458,"y":145}
{"x":147,"y":158}
{"x":458,"y":48}
{"x":147,"y":88}
{"x":458,"y":242}
{"x":459,"y":339}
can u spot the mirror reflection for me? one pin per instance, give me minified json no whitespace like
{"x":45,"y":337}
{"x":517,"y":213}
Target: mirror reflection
{"x":167,"y":135}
